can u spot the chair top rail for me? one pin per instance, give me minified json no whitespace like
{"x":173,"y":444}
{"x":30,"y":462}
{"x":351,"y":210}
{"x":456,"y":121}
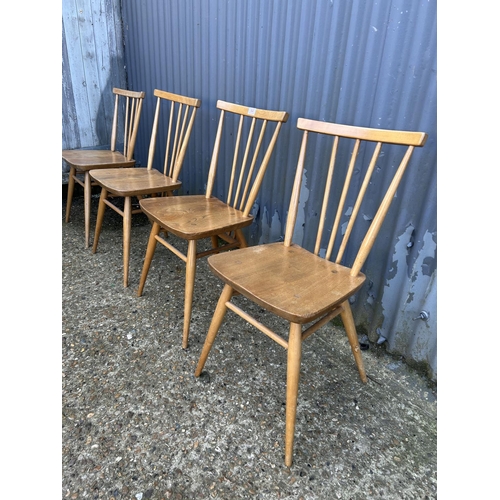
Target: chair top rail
{"x":130,"y":93}
{"x":368,"y":134}
{"x":190,"y":101}
{"x":264,"y":114}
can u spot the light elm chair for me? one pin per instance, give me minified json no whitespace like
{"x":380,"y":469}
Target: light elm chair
{"x":120,"y":186}
{"x":302,"y":287}
{"x":248,"y":136}
{"x":127,"y":114}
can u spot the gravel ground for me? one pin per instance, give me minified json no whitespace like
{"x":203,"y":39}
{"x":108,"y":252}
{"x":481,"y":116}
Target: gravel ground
{"x":137,"y":424}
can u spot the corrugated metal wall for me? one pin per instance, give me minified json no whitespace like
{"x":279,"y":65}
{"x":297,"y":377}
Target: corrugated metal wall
{"x":356,"y":62}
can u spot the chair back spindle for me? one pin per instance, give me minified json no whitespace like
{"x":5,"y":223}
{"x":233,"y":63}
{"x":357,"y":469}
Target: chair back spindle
{"x":376,"y":224}
{"x":114,"y":127}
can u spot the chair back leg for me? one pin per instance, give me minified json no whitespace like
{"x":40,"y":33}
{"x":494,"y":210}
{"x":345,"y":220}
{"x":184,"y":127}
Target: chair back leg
{"x":240,"y":237}
{"x":87,"y":196}
{"x":150,"y":251}
{"x":100,"y":217}
{"x":220,"y":312}
{"x":350,"y":328}
{"x":127,"y":227}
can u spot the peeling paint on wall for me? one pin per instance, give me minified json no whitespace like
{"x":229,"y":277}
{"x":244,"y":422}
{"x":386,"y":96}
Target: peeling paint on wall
{"x":298,"y":234}
{"x":412,"y":332}
{"x":272,"y":231}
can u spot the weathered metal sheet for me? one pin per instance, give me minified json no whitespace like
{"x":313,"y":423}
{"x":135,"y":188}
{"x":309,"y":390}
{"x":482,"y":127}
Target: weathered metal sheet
{"x":356,"y":62}
{"x":92,"y":64}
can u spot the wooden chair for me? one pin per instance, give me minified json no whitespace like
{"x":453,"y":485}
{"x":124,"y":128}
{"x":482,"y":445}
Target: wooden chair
{"x":128,"y":183}
{"x":81,"y":161}
{"x":245,"y":133}
{"x":301,"y":286}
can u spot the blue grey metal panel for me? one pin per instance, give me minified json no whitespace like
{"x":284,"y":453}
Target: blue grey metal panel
{"x":356,"y":62}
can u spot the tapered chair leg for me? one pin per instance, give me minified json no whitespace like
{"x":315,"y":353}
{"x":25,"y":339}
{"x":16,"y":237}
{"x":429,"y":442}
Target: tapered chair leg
{"x":127,"y":227}
{"x":100,"y":217}
{"x":218,"y":316}
{"x":188,"y":293}
{"x":87,"y":195}
{"x":238,"y":234}
{"x":150,"y":251}
{"x":350,"y":329}
{"x":292,"y":387}
{"x":71,"y":188}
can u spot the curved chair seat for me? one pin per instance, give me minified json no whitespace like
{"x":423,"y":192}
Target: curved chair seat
{"x":89,"y":159}
{"x":318,"y":285}
{"x":134,"y":181}
{"x":194,"y":217}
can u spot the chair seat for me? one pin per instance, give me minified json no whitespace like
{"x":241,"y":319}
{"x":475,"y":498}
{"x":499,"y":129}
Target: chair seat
{"x":194,"y":217}
{"x":133,"y":181}
{"x":88,"y":159}
{"x":291,"y":282}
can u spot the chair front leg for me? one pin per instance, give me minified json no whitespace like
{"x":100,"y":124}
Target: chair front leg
{"x":350,"y":329}
{"x":127,"y":226}
{"x":217,"y":318}
{"x":150,"y":250}
{"x":71,"y":188}
{"x":188,"y":293}
{"x":292,"y":387}
{"x":87,"y":194}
